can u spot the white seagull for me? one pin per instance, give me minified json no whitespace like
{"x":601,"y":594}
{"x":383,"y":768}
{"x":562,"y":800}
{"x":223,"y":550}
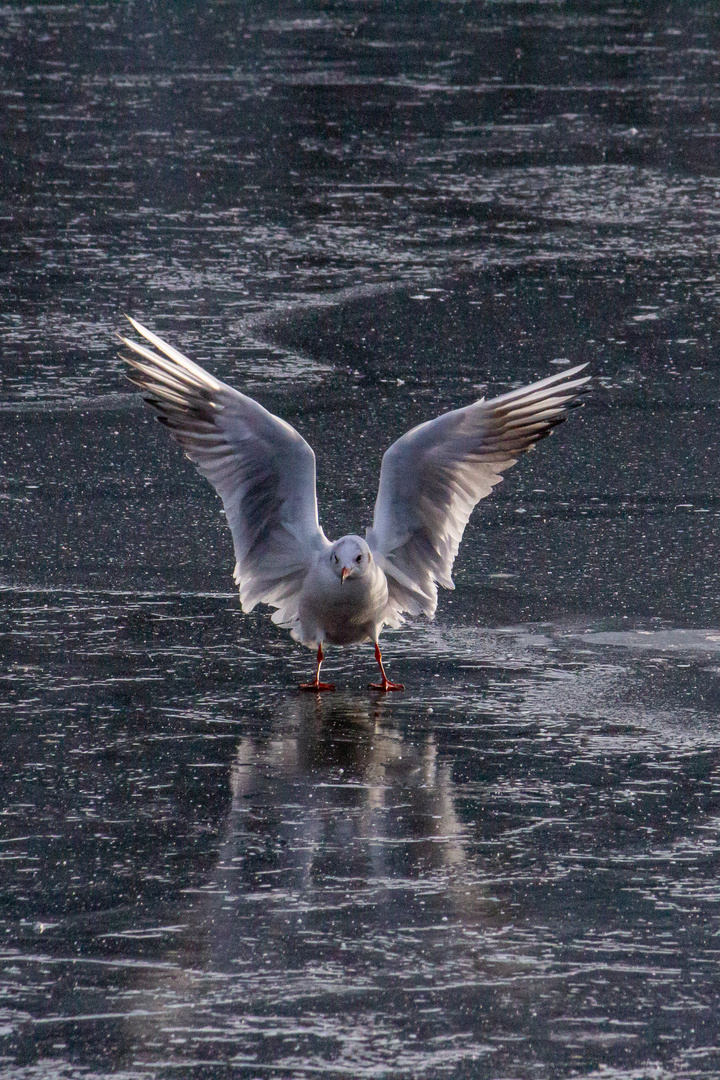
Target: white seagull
{"x":345,"y":591}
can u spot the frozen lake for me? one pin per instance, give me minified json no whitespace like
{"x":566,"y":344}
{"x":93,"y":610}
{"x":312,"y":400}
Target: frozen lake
{"x":362,"y":215}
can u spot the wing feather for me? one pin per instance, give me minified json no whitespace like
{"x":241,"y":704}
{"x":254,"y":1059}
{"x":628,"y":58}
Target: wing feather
{"x":433,"y":476}
{"x":261,"y":468}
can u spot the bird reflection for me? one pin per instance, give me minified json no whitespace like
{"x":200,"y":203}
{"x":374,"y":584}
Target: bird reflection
{"x":360,"y":787}
{"x":344,"y":852}
{"x":334,"y":812}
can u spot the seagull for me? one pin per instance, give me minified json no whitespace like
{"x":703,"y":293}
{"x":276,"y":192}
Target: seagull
{"x":344,"y":591}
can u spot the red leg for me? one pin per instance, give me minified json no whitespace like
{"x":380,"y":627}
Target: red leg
{"x":385,"y":684}
{"x":316,"y":684}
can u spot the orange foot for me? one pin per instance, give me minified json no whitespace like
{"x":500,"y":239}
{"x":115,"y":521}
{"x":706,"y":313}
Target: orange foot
{"x":316,"y":686}
{"x":386,"y":685}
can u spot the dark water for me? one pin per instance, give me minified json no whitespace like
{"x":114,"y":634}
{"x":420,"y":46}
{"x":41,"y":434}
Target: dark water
{"x":362,"y":213}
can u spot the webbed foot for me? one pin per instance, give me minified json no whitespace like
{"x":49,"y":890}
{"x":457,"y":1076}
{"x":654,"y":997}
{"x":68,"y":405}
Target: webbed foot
{"x":386,"y":685}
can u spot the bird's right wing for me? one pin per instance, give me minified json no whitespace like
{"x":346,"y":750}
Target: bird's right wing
{"x":261,"y":468}
{"x":432,"y":478}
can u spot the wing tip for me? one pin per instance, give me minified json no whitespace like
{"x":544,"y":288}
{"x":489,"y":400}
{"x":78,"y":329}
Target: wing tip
{"x":138,"y":327}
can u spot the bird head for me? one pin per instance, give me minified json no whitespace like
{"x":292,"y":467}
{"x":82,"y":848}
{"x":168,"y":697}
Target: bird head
{"x":350,"y":557}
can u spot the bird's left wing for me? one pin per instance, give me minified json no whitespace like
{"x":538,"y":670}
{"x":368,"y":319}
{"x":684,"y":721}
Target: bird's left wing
{"x":434,"y":475}
{"x":261,"y":468}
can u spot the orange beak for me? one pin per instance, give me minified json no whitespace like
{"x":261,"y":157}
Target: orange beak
{"x":344,"y":573}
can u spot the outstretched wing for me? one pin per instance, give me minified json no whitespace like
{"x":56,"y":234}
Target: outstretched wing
{"x":432,"y":478}
{"x":261,"y":468}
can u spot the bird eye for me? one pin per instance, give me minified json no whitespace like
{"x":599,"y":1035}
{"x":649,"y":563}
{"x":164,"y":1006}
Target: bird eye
{"x":359,"y":558}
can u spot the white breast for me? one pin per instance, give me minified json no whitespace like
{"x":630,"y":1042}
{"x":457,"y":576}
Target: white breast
{"x":341,"y":613}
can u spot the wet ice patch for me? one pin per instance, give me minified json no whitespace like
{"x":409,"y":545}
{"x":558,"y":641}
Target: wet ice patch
{"x":688,"y":640}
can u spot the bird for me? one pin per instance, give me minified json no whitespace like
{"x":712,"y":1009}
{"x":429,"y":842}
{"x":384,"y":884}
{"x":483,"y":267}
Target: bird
{"x":345,"y":591}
